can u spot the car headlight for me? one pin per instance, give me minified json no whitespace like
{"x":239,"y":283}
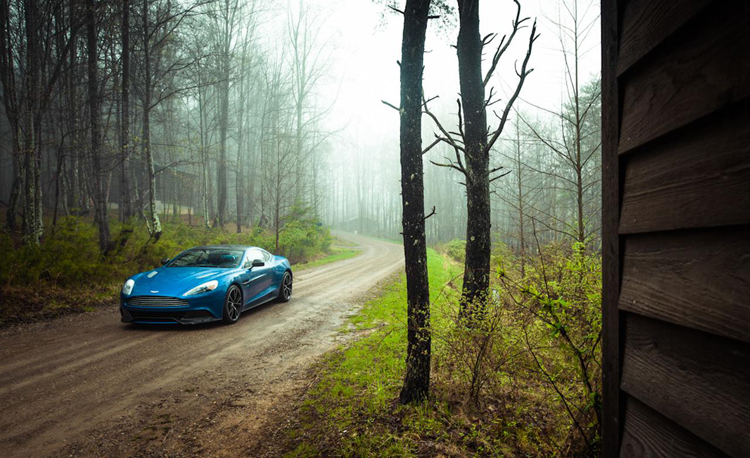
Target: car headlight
{"x":127,"y":288}
{"x":204,"y":288}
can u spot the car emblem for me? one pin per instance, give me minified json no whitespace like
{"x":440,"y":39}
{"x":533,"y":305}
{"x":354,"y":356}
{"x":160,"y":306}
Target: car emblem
{"x":154,"y":292}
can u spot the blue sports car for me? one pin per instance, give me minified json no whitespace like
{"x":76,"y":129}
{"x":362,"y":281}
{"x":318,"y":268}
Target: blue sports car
{"x":207,"y":283}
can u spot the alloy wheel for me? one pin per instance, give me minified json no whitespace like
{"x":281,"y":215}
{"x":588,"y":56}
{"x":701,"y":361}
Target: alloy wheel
{"x":286,"y":287}
{"x":234,"y":304}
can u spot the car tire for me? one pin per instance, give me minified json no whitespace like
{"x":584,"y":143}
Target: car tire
{"x":285,"y":289}
{"x":232,"y":305}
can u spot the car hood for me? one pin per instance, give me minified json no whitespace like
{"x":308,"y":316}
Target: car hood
{"x":175,"y":281}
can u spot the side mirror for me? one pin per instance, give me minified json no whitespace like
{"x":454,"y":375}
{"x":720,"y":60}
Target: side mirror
{"x":164,"y":261}
{"x":258,"y":263}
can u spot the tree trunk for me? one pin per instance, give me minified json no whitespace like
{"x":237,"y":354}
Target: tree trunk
{"x":478,"y":225}
{"x":204,"y":157}
{"x":9,"y":87}
{"x":240,"y":182}
{"x":154,"y":224}
{"x":18,"y":173}
{"x":31,"y":232}
{"x":417,"y":380}
{"x":221,"y":169}
{"x":519,"y":182}
{"x":94,"y":108}
{"x":125,"y":199}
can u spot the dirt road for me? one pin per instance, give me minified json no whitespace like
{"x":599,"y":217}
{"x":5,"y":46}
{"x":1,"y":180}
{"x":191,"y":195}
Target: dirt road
{"x":89,"y":385}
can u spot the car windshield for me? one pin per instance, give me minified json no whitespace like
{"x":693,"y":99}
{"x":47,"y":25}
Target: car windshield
{"x":208,"y":257}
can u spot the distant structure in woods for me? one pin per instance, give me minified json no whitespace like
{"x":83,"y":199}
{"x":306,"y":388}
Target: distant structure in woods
{"x":361,"y":225}
{"x":676,"y":227}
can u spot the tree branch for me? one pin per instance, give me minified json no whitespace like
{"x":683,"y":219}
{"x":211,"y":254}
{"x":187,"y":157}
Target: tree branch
{"x":522,"y":77}
{"x":503,"y":46}
{"x":391,"y":105}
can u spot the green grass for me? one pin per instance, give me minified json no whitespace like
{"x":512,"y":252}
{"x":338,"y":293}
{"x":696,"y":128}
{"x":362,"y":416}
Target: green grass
{"x":350,"y":411}
{"x":352,"y":408}
{"x":337,"y":254}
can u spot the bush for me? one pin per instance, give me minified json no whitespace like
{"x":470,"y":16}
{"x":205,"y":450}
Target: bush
{"x":455,"y":249}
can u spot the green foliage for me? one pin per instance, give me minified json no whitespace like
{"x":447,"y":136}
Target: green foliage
{"x":302,"y":239}
{"x":559,"y":304}
{"x":523,"y":382}
{"x":455,"y":249}
{"x":346,"y":409}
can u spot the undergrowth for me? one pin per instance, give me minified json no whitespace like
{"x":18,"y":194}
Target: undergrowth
{"x":538,"y":362}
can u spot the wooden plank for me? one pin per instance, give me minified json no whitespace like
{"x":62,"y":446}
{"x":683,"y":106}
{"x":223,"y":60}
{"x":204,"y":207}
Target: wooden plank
{"x":698,"y":279}
{"x":698,"y":380}
{"x":650,"y":435}
{"x":646,"y":23}
{"x":611,"y":329}
{"x":696,"y":178}
{"x":699,"y":70}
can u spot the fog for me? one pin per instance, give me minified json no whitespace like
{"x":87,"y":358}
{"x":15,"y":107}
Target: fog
{"x":260,"y":113}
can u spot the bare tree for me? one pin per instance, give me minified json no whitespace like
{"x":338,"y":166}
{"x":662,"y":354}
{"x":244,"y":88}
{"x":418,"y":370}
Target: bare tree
{"x":95,"y":129}
{"x":126,"y":210}
{"x":474,"y":142}
{"x":577,"y":142}
{"x":417,"y":380}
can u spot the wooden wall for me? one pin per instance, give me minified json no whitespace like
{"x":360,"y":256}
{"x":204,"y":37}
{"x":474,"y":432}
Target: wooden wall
{"x":676,"y":227}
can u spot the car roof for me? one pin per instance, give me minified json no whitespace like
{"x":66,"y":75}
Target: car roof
{"x":227,"y":247}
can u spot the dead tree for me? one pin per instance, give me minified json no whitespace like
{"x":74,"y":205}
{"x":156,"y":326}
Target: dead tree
{"x":474,"y":141}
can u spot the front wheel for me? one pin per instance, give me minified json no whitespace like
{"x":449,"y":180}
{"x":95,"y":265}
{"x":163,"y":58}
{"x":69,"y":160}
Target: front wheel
{"x":232,"y":305}
{"x":285,"y":290}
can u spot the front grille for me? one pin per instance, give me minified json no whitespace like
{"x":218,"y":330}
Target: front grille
{"x":157,"y":317}
{"x":156,"y":301}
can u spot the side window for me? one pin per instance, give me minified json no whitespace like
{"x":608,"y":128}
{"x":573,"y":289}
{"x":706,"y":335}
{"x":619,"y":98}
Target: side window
{"x":266,"y":255}
{"x":252,"y":255}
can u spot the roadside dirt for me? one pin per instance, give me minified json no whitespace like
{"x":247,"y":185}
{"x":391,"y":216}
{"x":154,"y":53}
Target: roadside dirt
{"x":90,"y":386}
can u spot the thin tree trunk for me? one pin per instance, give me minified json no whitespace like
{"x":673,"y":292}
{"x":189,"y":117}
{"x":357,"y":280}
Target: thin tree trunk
{"x":519,"y":178}
{"x":30,"y":234}
{"x":417,"y":380}
{"x":240,"y":182}
{"x":154,"y":222}
{"x":125,"y":199}
{"x":15,"y":190}
{"x":94,"y":113}
{"x":221,"y":169}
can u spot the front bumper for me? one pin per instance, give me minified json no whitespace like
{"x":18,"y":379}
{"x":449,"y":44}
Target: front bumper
{"x":203,"y":308}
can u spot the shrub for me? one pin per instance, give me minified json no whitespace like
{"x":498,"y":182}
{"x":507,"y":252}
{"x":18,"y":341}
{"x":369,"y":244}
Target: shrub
{"x":455,"y":249}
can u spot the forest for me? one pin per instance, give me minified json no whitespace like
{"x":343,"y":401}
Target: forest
{"x":134,"y":129}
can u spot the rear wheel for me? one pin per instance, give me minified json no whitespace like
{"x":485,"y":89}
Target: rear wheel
{"x":285,"y":290}
{"x":232,"y":305}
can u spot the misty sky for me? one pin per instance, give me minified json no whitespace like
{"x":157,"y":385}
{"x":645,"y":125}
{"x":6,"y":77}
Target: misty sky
{"x":363,"y":39}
